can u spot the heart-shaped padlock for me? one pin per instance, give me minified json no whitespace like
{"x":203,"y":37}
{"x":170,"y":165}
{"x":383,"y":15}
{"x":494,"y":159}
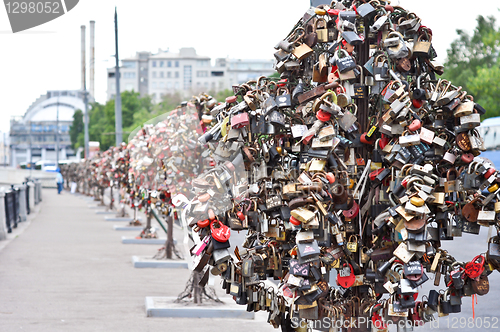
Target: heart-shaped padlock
{"x":475,"y":267}
{"x":220,"y":232}
{"x":345,"y":280}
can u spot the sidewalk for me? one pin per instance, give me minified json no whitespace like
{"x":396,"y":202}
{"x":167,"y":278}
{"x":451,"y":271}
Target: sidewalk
{"x":69,"y":271}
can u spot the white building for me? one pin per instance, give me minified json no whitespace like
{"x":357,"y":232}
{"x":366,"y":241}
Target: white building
{"x":34,"y":135}
{"x":240,"y":71}
{"x":168,"y":72}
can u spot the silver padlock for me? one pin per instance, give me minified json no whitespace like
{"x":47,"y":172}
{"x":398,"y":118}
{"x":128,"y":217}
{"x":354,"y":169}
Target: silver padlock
{"x":486,"y":216}
{"x":348,"y":119}
{"x":345,"y":271}
{"x":409,"y":140}
{"x":470,"y":121}
{"x":449,"y":157}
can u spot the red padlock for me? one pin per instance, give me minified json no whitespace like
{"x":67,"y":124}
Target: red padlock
{"x":347,"y":281}
{"x":489,"y":173}
{"x":375,"y":173}
{"x":231,"y":99}
{"x":330,"y":177}
{"x":203,"y":223}
{"x":294,"y":221}
{"x":475,"y":267}
{"x":366,"y":140}
{"x":282,"y":83}
{"x":415,"y":125}
{"x":240,"y":215}
{"x":220,"y":232}
{"x":333,"y":12}
{"x":467,"y":158}
{"x":417,"y":103}
{"x":240,"y":120}
{"x":323,"y":116}
{"x":352,"y":212}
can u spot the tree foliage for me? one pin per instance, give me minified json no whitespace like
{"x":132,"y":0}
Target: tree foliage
{"x":473,"y":64}
{"x":136,"y":111}
{"x":76,"y":128}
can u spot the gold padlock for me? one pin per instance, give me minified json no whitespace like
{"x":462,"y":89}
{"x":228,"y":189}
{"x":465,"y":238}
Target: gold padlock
{"x":364,"y":256}
{"x":335,"y":264}
{"x":497,"y":207}
{"x":281,"y":234}
{"x":352,"y":246}
{"x":493,"y":188}
{"x":417,"y":201}
{"x":303,"y":215}
{"x":438,"y":198}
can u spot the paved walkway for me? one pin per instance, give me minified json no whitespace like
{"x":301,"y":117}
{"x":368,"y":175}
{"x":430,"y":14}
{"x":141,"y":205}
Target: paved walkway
{"x":68,"y":271}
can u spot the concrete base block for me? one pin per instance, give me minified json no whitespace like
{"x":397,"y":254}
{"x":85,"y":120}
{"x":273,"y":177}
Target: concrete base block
{"x":141,"y":262}
{"x":128,"y":228}
{"x":121,"y":219}
{"x":165,"y":307}
{"x":133,"y":240}
{"x":105,"y":212}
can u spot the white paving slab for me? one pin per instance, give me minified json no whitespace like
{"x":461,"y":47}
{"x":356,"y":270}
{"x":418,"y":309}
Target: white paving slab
{"x":127,"y":228}
{"x":165,"y":307}
{"x":145,"y":262}
{"x":125,"y":219}
{"x":133,"y":240}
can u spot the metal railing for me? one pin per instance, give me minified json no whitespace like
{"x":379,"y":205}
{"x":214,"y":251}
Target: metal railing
{"x":16,"y":203}
{"x":11,"y":208}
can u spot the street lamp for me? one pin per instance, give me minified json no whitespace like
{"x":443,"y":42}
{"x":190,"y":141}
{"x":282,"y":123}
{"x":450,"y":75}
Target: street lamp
{"x":57,"y":133}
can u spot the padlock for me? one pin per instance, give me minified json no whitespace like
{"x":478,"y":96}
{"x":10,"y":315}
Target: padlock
{"x":422,"y":47}
{"x":348,"y":119}
{"x":380,"y":69}
{"x":409,"y":140}
{"x":300,"y":50}
{"x":352,"y":244}
{"x":321,"y":30}
{"x":360,"y":88}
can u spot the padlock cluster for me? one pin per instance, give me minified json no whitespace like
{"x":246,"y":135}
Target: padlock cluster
{"x":345,"y":174}
{"x":166,"y":156}
{"x":353,"y":167}
{"x":159,"y":161}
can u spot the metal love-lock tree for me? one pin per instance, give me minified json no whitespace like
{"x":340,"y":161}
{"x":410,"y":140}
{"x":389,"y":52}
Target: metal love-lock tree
{"x":360,"y":161}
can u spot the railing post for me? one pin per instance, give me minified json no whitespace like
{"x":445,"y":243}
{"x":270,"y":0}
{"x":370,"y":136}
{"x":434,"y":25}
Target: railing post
{"x":23,"y":211}
{"x":3,"y":228}
{"x":9,"y":210}
{"x":40,"y":191}
{"x":32,"y":194}
{"x":27,"y":195}
{"x":15,"y":204}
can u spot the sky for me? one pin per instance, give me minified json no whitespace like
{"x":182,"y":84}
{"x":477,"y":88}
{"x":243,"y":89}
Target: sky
{"x":48,"y":57}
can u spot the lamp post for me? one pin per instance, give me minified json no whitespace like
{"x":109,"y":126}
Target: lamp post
{"x":118,"y":97}
{"x":57,"y":133}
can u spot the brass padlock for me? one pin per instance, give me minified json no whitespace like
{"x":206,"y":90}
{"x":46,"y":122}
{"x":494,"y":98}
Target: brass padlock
{"x":352,"y":245}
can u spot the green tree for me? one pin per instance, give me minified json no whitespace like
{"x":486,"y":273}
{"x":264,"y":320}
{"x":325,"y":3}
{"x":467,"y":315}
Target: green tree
{"x":222,"y":95}
{"x":76,"y":128}
{"x":472,"y":63}
{"x":136,"y":111}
